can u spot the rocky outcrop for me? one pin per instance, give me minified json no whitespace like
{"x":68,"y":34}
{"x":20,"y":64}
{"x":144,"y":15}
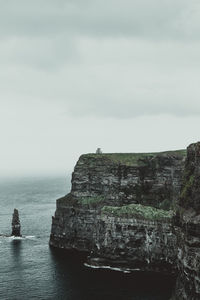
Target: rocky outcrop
{"x":149,"y":179}
{"x":16,"y":227}
{"x":131,"y":237}
{"x":187,"y":228}
{"x":117,"y":210}
{"x":136,"y":212}
{"x":73,"y":226}
{"x":131,"y":242}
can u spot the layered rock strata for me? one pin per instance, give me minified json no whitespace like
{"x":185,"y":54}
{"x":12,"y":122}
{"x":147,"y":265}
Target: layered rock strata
{"x":187,"y":227}
{"x":136,"y":212}
{"x":118,"y":210}
{"x":149,"y":179}
{"x":133,"y":242}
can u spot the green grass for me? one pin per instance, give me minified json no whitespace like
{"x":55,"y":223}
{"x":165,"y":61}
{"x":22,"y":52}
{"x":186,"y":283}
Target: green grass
{"x":131,"y":159}
{"x":90,"y":200}
{"x":187,"y":186}
{"x":137,"y":211}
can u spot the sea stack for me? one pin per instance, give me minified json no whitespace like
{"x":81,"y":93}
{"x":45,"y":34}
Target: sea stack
{"x":16,"y":227}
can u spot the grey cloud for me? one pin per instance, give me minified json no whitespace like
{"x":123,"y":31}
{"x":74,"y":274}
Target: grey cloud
{"x":139,"y":78}
{"x":41,"y":53}
{"x":139,"y":105}
{"x":47,"y":34}
{"x":115,"y":78}
{"x":76,"y":73}
{"x":152,"y":19}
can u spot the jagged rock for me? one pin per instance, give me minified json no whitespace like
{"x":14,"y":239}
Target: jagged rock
{"x":16,"y":227}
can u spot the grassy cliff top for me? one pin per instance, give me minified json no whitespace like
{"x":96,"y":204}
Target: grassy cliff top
{"x":138,"y":211}
{"x":133,"y":158}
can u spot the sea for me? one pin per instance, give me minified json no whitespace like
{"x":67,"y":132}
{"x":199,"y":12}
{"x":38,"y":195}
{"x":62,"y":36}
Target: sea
{"x":30,"y":269}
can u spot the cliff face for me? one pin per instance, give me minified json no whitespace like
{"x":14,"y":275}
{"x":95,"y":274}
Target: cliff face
{"x":149,"y":179}
{"x":187,"y":221}
{"x":73,"y":226}
{"x":129,"y":237}
{"x":115,"y":210}
{"x":118,"y":212}
{"x":134,"y":243}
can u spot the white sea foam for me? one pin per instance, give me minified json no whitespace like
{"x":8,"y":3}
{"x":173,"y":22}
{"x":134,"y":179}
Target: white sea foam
{"x":13,"y":238}
{"x":16,"y":237}
{"x":30,"y":237}
{"x":110,"y":268}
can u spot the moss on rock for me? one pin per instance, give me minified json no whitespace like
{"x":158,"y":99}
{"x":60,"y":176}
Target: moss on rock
{"x":130,"y":159}
{"x":91,"y":200}
{"x":138,"y":211}
{"x":187,"y":186}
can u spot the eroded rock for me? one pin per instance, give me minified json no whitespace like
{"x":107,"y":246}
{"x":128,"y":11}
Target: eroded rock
{"x":187,"y":223}
{"x":16,"y":227}
{"x":118,"y":213}
{"x":133,"y":236}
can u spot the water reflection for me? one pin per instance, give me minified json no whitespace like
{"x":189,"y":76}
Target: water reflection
{"x":16,"y":252}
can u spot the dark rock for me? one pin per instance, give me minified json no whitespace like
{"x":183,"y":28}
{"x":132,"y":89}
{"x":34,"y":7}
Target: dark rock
{"x":134,"y":237}
{"x":118,"y":213}
{"x":149,"y":179}
{"x":16,"y":227}
{"x":188,"y":228}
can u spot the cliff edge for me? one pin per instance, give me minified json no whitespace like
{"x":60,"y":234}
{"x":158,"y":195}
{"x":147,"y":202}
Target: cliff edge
{"x":187,"y":228}
{"x":135,"y":212}
{"x":119,"y":210}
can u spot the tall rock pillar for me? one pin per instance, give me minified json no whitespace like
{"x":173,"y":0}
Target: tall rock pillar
{"x":16,"y":227}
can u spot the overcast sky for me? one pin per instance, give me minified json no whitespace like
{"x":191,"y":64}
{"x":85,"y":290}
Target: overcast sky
{"x":76,"y":75}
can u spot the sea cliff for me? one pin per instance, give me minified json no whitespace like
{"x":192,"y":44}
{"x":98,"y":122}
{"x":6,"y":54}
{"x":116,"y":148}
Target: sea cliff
{"x":187,"y":226}
{"x":128,"y":212}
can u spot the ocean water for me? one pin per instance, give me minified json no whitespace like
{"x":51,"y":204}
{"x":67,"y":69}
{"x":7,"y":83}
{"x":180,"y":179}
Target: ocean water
{"x":30,"y":269}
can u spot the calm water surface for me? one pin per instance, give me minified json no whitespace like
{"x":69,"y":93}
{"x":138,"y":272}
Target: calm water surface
{"x":29,"y":269}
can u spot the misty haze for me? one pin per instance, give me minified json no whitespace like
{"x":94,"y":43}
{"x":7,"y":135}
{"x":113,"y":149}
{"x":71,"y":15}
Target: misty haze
{"x":99,"y":108}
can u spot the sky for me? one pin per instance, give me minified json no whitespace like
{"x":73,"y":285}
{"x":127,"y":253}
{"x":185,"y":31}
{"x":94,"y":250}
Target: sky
{"x":76,"y":75}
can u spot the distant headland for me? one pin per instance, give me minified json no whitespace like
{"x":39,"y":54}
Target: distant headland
{"x":135,"y":211}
